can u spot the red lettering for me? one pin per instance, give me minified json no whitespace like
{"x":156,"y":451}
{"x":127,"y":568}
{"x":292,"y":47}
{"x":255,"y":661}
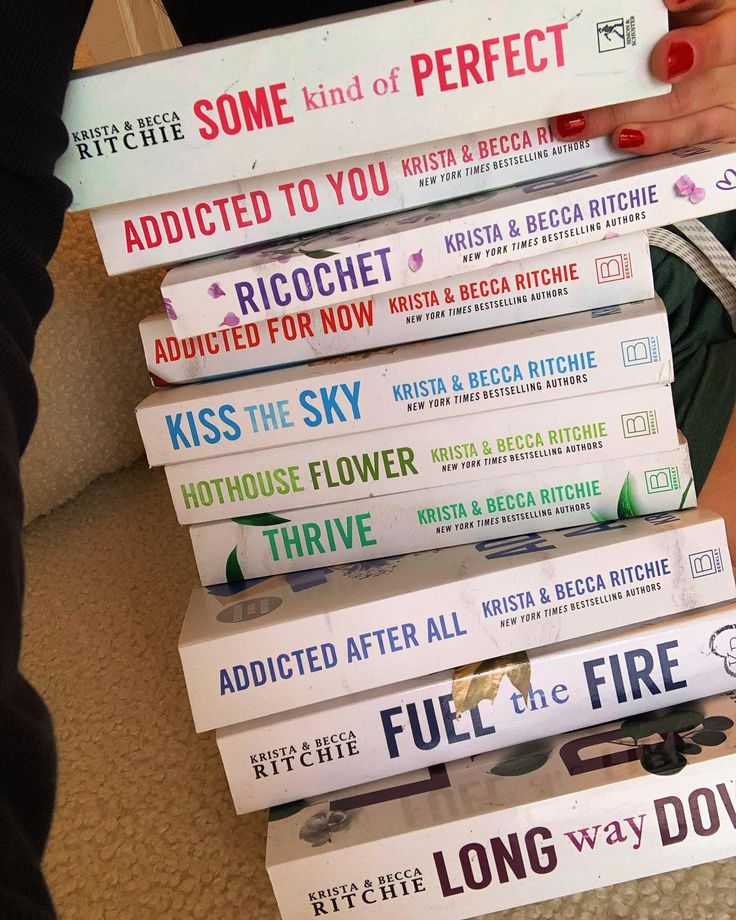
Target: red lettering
{"x":132,"y":240}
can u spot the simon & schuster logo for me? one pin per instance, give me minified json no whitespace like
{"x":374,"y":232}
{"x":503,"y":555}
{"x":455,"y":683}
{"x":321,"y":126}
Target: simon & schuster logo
{"x":611,"y":35}
{"x":616,"y":267}
{"x":707,"y":562}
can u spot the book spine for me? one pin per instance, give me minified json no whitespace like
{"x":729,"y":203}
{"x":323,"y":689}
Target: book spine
{"x":466,"y":712}
{"x":386,"y":525}
{"x":601,"y":427}
{"x":273,"y":666}
{"x":562,"y":357}
{"x":593,"y":276}
{"x":446,"y":240}
{"x":455,"y":869}
{"x":195,"y":223}
{"x":344,"y":88}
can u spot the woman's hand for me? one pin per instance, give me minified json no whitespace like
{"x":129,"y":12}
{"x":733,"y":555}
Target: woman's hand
{"x":699,"y":58}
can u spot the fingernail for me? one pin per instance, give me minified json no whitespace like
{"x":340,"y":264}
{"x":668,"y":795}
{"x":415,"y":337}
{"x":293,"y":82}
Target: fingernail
{"x":680,"y":58}
{"x":570,"y":125}
{"x":630,"y":137}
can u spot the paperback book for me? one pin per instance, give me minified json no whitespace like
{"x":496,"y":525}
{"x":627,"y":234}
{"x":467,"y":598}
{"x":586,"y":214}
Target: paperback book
{"x":448,"y":239}
{"x":333,"y":89}
{"x":652,"y":793}
{"x":481,"y":707}
{"x":487,"y":445}
{"x":266,"y":646}
{"x":258,"y":545}
{"x":589,"y":277}
{"x":202,"y":222}
{"x":550,"y":359}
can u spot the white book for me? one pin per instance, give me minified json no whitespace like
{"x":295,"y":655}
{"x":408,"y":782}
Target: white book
{"x":627,"y":800}
{"x":349,"y":86}
{"x":201,"y":222}
{"x":384,"y":525}
{"x":327,"y":633}
{"x":467,"y":711}
{"x":550,"y":359}
{"x":497,"y":442}
{"x":588,"y":277}
{"x":451,"y":238}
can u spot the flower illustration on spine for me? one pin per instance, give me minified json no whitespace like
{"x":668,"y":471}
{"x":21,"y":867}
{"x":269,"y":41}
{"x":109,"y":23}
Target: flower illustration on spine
{"x":170,"y":311}
{"x":686,"y":188}
{"x":318,"y":829}
{"x":416,"y":260}
{"x":230,"y":319}
{"x":215,"y":291}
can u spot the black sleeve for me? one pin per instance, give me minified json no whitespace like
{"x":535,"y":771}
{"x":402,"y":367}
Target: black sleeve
{"x":37,"y":42}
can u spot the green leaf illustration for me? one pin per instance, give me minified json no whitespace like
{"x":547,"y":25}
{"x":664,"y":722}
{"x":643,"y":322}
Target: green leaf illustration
{"x":318,"y":253}
{"x":626,"y":504}
{"x":519,"y":766}
{"x":708,"y":738}
{"x":640,"y":727}
{"x":599,"y":518}
{"x":718,"y":723}
{"x":260,"y":520}
{"x":233,"y":572}
{"x":684,"y":494}
{"x":279,"y":812}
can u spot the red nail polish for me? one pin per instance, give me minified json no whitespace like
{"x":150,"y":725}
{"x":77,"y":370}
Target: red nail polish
{"x":570,"y":125}
{"x":629,"y":138}
{"x":680,"y":59}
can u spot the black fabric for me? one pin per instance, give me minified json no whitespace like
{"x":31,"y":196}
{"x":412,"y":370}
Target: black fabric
{"x":37,"y":42}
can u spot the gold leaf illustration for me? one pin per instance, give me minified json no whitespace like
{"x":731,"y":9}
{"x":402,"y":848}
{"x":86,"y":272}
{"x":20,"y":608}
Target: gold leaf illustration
{"x":481,"y":680}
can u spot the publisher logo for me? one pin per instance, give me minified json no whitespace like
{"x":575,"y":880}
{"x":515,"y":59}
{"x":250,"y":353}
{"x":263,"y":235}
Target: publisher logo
{"x":665,"y":479}
{"x":640,"y":351}
{"x":611,"y":35}
{"x":613,"y":268}
{"x":708,"y":562}
{"x":251,"y":609}
{"x":639,"y":424}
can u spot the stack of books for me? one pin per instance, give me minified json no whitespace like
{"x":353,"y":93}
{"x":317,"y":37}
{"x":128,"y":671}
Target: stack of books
{"x":438,"y":502}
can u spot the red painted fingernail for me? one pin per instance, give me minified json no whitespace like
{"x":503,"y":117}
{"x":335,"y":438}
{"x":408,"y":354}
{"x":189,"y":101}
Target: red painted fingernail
{"x":680,"y":59}
{"x":570,"y":125}
{"x":630,"y":137}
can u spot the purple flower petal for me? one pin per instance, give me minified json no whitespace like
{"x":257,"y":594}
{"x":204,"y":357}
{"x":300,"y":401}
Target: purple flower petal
{"x":611,"y":235}
{"x":282,"y":258}
{"x":214,"y":290}
{"x":416,"y":260}
{"x":170,"y":311}
{"x":230,"y":319}
{"x":684,"y":186}
{"x":697,"y":195}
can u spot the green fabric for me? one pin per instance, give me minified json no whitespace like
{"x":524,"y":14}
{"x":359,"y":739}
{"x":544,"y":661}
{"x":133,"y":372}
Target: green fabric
{"x":704,"y":349}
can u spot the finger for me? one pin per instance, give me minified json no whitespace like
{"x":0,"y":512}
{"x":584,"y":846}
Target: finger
{"x":655,"y":137}
{"x":694,"y":12}
{"x":689,"y":51}
{"x":716,"y":87}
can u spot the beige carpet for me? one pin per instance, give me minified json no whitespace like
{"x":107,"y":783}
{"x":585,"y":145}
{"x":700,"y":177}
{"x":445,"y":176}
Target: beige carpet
{"x":90,"y":372}
{"x":144,"y":828}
